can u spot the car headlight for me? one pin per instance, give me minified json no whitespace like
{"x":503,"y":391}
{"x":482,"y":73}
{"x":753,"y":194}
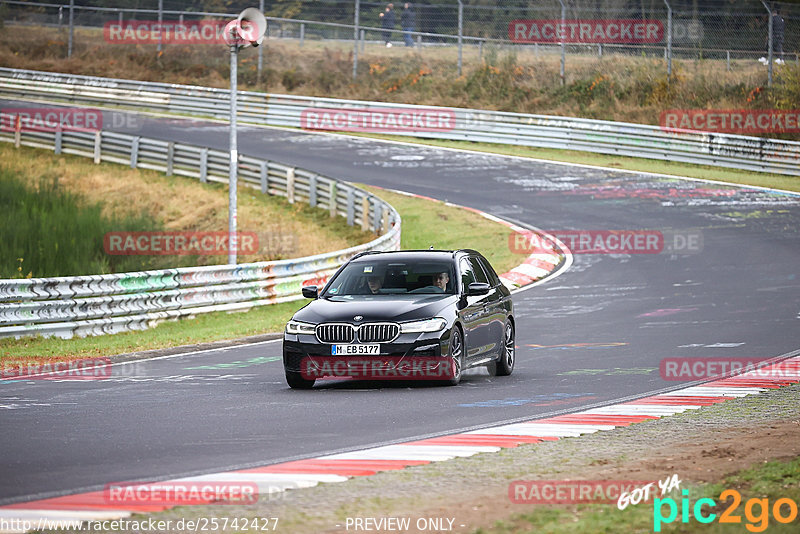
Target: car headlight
{"x":296,"y":327}
{"x":426,"y":325}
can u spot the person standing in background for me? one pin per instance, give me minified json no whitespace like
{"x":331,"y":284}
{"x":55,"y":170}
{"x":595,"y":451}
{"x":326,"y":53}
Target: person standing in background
{"x":387,"y":23}
{"x":407,"y":22}
{"x":778,"y":29}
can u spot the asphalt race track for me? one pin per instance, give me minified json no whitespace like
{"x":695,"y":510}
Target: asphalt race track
{"x":593,"y":335}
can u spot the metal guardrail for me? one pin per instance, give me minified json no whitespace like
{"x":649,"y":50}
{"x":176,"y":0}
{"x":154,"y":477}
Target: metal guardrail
{"x":542,"y":131}
{"x":103,"y":304}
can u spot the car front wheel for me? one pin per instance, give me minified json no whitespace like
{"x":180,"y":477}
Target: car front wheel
{"x":456,"y":357}
{"x":296,"y":381}
{"x":505,"y":365}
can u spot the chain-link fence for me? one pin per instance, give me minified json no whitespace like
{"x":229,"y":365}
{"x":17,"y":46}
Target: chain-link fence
{"x":567,"y":30}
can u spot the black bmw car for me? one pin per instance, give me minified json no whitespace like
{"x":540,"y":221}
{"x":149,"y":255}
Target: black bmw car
{"x":421,"y":314}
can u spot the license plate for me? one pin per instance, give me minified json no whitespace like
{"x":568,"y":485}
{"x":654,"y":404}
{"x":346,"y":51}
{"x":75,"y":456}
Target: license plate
{"x":347,"y":350}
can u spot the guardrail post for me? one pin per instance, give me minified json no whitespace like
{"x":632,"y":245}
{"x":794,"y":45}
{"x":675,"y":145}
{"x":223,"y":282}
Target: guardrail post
{"x":728,"y":60}
{"x":264,"y":175}
{"x":170,"y":157}
{"x":57,"y":144}
{"x":290,"y":185}
{"x":18,"y":131}
{"x":385,"y":222}
{"x":376,"y":216}
{"x":119,"y":18}
{"x":134,"y":152}
{"x":363,"y":40}
{"x":204,"y":165}
{"x":97,"y":146}
{"x":365,"y":213}
{"x":312,"y":191}
{"x":333,"y":194}
{"x":60,"y":17}
{"x":302,"y":34}
{"x":351,"y":208}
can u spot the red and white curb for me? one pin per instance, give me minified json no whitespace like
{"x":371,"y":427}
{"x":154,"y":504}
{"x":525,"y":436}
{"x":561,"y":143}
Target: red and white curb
{"x":276,"y":478}
{"x":535,"y":267}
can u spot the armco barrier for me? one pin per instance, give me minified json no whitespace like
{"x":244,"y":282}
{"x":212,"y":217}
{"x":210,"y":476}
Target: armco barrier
{"x":102,"y":304}
{"x":605,"y":137}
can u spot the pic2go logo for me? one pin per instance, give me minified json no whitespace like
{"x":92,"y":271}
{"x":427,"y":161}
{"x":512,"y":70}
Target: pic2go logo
{"x":756,"y":511}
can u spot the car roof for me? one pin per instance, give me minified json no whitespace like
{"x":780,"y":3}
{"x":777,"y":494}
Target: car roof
{"x":408,"y":255}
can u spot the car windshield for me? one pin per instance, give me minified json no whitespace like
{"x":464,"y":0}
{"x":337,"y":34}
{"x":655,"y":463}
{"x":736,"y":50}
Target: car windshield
{"x":391,"y":277}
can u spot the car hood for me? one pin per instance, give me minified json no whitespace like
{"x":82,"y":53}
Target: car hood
{"x":382,"y":308}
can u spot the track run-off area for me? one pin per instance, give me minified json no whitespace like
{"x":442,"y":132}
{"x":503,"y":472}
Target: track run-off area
{"x":596,"y":334}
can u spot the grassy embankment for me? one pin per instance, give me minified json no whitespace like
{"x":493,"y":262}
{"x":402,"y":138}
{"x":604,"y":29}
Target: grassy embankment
{"x":124,"y":191}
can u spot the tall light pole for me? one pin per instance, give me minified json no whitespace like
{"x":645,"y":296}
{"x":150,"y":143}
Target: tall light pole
{"x":233,"y":169}
{"x":246,"y":30}
{"x":355,"y":38}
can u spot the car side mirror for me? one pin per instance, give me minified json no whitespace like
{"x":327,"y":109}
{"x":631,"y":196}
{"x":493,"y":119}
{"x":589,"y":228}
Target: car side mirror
{"x":310,"y":292}
{"x":478,"y":288}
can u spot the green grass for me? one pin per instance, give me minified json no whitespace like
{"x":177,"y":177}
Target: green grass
{"x":771,"y":480}
{"x":204,"y":328}
{"x":47,"y":231}
{"x":424,"y":223}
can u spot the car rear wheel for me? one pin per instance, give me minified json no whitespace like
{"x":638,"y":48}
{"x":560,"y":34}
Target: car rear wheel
{"x":296,"y":381}
{"x":456,"y":357}
{"x":505,"y":365}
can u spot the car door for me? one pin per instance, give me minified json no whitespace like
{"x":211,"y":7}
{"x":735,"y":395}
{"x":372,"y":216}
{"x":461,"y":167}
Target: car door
{"x":496,"y":307}
{"x":476,"y":332}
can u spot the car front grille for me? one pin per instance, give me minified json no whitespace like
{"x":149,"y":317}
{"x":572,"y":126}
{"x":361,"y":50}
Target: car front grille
{"x":378,"y":332}
{"x":367,"y":333}
{"x":336,"y":333}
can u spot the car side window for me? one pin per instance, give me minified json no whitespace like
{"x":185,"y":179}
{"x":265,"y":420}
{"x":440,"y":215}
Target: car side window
{"x":467,"y":274}
{"x":480,"y":276}
{"x":494,"y":280}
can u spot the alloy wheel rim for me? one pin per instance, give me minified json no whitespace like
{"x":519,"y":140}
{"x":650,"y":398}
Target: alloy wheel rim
{"x":456,"y":355}
{"x":509,"y":345}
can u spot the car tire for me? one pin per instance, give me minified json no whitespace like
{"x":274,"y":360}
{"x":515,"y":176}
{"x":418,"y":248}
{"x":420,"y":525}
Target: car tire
{"x":456,"y":359}
{"x":505,"y":365}
{"x":296,"y":381}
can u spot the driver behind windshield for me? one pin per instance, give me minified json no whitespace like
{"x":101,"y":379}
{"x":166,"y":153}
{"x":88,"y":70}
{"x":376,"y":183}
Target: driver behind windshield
{"x":375,"y":283}
{"x":440,"y":280}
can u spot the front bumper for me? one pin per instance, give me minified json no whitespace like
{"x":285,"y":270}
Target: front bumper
{"x":424,"y":355}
